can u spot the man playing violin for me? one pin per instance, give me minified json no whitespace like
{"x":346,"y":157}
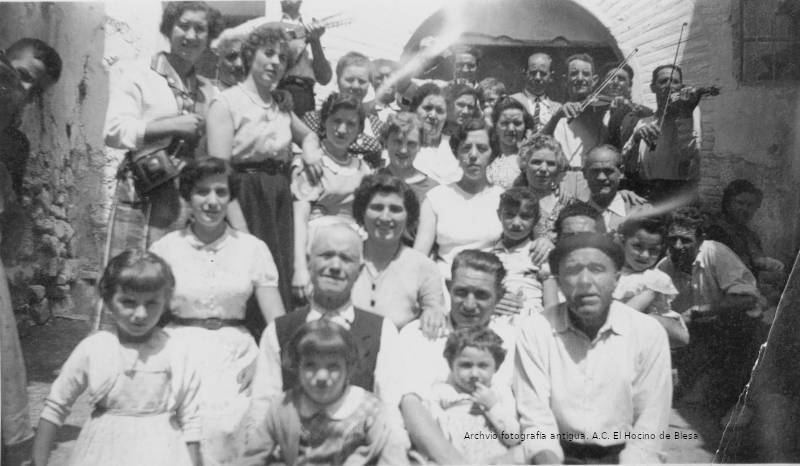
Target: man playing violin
{"x":538,"y":77}
{"x":576,"y":126}
{"x":622,"y":113}
{"x":664,"y":149}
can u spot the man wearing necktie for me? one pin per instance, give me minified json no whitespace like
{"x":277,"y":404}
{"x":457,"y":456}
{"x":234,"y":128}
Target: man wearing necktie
{"x":538,"y":77}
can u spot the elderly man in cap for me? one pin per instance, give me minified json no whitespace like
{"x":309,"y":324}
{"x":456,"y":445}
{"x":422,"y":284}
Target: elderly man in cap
{"x":592,"y":375}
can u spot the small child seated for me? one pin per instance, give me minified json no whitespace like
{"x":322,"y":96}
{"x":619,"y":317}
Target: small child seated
{"x":467,"y":403}
{"x":325,"y":420}
{"x":519,"y":212}
{"x":643,"y":287}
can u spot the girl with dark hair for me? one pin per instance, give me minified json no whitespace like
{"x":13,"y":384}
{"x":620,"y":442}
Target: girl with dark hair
{"x":342,"y":172}
{"x":139,"y":379}
{"x":324,"y":419}
{"x":217,"y":269}
{"x":354,"y":72}
{"x":396,"y":281}
{"x":510,"y":123}
{"x":252,"y":125}
{"x":161,"y":106}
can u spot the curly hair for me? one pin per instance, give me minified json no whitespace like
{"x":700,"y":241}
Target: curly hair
{"x":336,"y":102}
{"x":653,"y":225}
{"x":531,"y":145}
{"x":262,"y":36}
{"x":385,"y":184}
{"x":174,"y":10}
{"x":481,"y":338}
{"x":514,"y":197}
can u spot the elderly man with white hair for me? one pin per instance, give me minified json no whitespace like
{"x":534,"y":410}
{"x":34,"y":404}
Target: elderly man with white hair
{"x":335,"y":258}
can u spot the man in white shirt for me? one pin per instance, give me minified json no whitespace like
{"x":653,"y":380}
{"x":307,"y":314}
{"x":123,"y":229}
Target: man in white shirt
{"x":592,"y":376}
{"x":474,"y":292}
{"x":602,"y":172}
{"x":335,"y":260}
{"x":534,"y":96}
{"x":576,"y":128}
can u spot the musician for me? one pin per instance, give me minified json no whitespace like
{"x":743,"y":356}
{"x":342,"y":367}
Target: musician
{"x":538,"y":78}
{"x":667,"y":158}
{"x":622,"y":113}
{"x":301,"y":77}
{"x":575,"y":128}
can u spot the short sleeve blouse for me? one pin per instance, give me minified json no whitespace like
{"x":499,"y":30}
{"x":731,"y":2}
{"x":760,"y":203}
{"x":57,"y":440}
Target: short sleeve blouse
{"x":261,"y":131}
{"x":335,"y":192}
{"x":215,"y":280}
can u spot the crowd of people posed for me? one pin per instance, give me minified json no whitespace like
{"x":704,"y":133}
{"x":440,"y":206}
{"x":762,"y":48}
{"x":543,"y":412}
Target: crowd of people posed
{"x":450,"y":273}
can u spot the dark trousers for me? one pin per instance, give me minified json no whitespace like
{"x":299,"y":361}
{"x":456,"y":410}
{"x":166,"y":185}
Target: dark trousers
{"x":657,"y":191}
{"x":576,"y":453}
{"x":266,"y":203}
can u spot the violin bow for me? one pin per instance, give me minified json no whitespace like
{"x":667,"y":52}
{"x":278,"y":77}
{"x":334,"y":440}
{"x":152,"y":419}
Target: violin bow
{"x":671,"y":74}
{"x":607,"y":80}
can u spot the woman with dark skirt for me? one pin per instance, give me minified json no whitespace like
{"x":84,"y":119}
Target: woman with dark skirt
{"x":252,"y":125}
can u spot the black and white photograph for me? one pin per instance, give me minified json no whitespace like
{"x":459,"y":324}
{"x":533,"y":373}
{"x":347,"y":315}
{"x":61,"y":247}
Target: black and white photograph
{"x":399,"y":232}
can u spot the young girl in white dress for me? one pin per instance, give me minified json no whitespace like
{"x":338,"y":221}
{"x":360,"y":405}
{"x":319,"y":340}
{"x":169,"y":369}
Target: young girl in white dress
{"x":138,"y":379}
{"x":643,"y":287}
{"x":480,"y":420}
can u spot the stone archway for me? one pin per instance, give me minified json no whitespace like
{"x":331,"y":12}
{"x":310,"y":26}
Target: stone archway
{"x":518,"y":28}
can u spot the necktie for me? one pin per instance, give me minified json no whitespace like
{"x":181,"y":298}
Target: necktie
{"x":536,"y":110}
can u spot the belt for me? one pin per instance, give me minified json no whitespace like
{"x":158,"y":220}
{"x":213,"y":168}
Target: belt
{"x":209,"y":324}
{"x":574,"y":169}
{"x":269,"y":166}
{"x":300,"y":81}
{"x":590,"y":450}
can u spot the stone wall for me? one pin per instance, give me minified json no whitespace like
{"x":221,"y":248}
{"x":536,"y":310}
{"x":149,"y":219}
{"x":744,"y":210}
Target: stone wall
{"x":748,"y":131}
{"x":61,"y":229}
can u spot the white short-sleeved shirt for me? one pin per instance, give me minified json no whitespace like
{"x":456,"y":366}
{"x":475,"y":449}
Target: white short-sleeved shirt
{"x":261,"y":131}
{"x":464,"y":220}
{"x":215,"y":280}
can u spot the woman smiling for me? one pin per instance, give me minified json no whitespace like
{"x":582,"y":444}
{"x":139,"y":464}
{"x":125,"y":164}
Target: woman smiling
{"x":396,"y":281}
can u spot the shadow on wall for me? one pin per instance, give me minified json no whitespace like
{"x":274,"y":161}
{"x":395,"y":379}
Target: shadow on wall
{"x":760,"y":145}
{"x":58,"y":239}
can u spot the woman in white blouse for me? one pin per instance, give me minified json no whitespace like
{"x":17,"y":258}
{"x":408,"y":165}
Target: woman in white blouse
{"x":462,"y":215}
{"x":216,"y":270}
{"x":161,"y":104}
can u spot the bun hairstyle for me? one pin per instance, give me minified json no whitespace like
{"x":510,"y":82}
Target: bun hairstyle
{"x":320,"y":337}
{"x":136,"y":270}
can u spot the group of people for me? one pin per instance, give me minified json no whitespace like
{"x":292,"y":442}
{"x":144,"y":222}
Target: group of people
{"x":450,"y":273}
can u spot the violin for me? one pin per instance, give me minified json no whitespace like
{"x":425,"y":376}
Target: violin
{"x":676,"y":103}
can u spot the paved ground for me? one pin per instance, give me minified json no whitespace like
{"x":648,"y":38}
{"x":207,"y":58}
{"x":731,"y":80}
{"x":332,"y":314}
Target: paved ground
{"x":47,"y":347}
